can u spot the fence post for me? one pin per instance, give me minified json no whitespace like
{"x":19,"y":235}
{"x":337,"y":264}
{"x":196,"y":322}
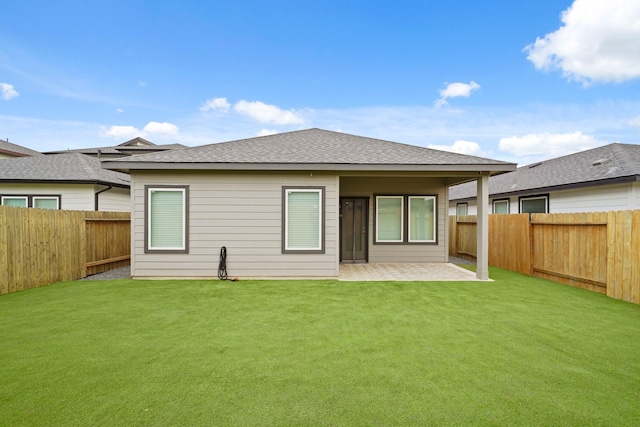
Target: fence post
{"x":453,"y":235}
{"x":83,"y":244}
{"x":611,"y":254}
{"x":531,"y":247}
{"x":4,"y":251}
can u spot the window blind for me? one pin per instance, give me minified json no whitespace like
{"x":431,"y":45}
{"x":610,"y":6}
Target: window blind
{"x":45,"y":203}
{"x":166,"y":219}
{"x":304,"y":220}
{"x":389,"y":219}
{"x":421,"y":219}
{"x":20,"y":202}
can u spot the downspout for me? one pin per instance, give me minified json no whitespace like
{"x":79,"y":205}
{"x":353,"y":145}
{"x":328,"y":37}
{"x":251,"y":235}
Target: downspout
{"x":96,"y":196}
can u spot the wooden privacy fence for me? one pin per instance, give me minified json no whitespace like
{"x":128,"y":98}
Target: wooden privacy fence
{"x":596,"y":251}
{"x":41,"y":246}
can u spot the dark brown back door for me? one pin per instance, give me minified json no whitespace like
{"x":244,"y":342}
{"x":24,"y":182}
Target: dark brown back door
{"x":354,"y":225}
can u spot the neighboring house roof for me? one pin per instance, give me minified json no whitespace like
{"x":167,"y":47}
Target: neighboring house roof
{"x":311,"y":149}
{"x":15,"y":150}
{"x":608,"y":164}
{"x":134,"y":146}
{"x":62,"y":168}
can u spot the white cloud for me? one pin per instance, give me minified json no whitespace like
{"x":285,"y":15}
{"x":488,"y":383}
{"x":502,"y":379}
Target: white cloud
{"x":599,"y":41}
{"x":161,"y":128}
{"x":141,"y":83}
{"x":548,"y":145}
{"x":454,"y":90}
{"x":129,"y":132}
{"x":216,"y":104}
{"x":418,"y":125}
{"x":635,"y":122}
{"x":265,"y":113}
{"x":119,"y":110}
{"x":8,"y":92}
{"x":462,"y":147}
{"x":265,"y":132}
{"x":126,"y":132}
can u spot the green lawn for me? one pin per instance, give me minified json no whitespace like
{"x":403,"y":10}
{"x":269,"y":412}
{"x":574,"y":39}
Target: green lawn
{"x":517,"y":351}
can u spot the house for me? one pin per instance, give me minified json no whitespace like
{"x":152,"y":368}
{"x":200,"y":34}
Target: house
{"x":132,"y":147}
{"x":63,"y":181}
{"x":601,"y":179}
{"x":294,"y":204}
{"x":9,"y":150}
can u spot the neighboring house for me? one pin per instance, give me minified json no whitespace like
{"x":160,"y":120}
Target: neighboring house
{"x":295,"y":204}
{"x":9,"y":150}
{"x":601,"y":179}
{"x":63,"y":181}
{"x":132,"y":147}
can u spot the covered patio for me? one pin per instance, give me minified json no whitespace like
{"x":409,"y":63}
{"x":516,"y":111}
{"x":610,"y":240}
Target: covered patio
{"x":398,"y":271}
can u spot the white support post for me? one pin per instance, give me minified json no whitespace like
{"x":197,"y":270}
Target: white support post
{"x":482,"y":253}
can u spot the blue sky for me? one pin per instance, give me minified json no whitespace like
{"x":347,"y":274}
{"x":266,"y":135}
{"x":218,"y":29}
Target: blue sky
{"x":520,"y":80}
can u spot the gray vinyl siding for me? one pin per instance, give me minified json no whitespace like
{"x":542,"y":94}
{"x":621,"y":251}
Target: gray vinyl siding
{"x":115,"y":199}
{"x":241,"y":211}
{"x":371,"y":186}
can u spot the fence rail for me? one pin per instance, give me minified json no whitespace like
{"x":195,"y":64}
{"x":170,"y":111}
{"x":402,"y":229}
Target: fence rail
{"x":596,"y":251}
{"x":40,"y":246}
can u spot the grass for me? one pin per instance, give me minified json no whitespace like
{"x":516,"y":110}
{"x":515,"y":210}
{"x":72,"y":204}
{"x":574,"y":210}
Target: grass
{"x":517,"y":351}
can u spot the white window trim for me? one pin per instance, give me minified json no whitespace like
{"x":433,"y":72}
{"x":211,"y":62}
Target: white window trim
{"x":545,"y":198}
{"x":466,"y":205}
{"x":320,"y":192}
{"x":183,"y":247}
{"x":501,"y":201}
{"x":30,"y":199}
{"x":56,"y":198}
{"x":25,"y":198}
{"x":378,"y":240}
{"x":435,"y":221}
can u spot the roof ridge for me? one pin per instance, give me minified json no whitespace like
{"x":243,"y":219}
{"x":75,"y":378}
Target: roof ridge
{"x":611,"y":161}
{"x":560,"y":158}
{"x":625,"y":158}
{"x":86,"y":166}
{"x":17,"y":149}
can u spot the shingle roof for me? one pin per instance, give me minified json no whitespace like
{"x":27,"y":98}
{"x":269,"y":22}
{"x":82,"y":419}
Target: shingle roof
{"x":591,"y":167}
{"x":136,"y":142}
{"x":307,"y":147}
{"x":18,"y":150}
{"x":121,"y":149}
{"x":70,"y":167}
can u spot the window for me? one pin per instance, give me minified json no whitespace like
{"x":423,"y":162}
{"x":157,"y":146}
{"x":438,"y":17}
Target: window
{"x":17,"y":201}
{"x":303,"y":220}
{"x":28,"y":201}
{"x":422,"y":224}
{"x":534,"y":204}
{"x":461,"y":209}
{"x":45,"y":202}
{"x":167,"y":219}
{"x":389,"y":219}
{"x":501,"y":206}
{"x":405,"y":219}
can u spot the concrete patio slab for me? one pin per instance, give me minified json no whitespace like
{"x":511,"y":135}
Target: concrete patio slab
{"x":405,"y":272}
